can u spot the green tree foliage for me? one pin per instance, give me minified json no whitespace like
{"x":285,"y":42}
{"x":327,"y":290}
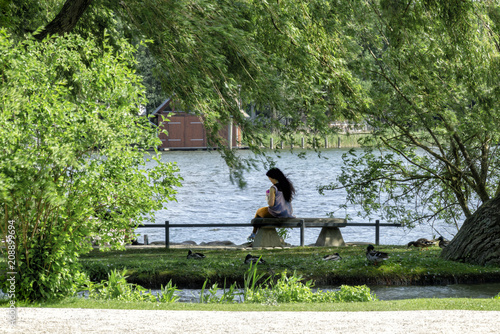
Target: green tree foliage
{"x":71,"y":163}
{"x":431,"y":70}
{"x":149,"y":69}
{"x":285,"y":57}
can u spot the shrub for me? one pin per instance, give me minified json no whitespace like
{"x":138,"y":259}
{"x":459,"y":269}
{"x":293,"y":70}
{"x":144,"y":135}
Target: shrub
{"x":117,"y":287}
{"x":346,"y":294}
{"x":97,"y":271}
{"x":290,"y":289}
{"x":70,"y":156}
{"x":167,"y":293}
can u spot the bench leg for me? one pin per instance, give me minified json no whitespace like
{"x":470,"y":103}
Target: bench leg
{"x":266,"y":237}
{"x":331,"y":237}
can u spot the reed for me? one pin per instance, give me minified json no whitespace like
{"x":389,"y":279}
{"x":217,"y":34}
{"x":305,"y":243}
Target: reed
{"x":116,"y":287}
{"x":167,"y":293}
{"x":213,"y":296}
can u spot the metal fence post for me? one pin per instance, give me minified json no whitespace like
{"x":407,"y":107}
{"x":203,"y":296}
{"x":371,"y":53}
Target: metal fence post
{"x":167,"y":234}
{"x":377,"y":231}
{"x":302,"y":230}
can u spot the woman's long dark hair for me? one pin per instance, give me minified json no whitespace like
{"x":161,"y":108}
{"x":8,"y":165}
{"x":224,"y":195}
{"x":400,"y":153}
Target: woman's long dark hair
{"x":284,"y":184}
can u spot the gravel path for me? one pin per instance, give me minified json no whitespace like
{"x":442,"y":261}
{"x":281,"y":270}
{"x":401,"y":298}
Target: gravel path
{"x":55,"y":321}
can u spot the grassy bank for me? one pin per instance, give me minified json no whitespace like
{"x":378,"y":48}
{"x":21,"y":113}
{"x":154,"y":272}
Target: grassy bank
{"x":153,"y":267}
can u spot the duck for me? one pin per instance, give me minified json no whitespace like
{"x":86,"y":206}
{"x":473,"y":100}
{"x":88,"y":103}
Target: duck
{"x":443,"y":242}
{"x":375,"y":256}
{"x":254,"y":259}
{"x":196,"y":256}
{"x":332,"y":257}
{"x":422,"y":243}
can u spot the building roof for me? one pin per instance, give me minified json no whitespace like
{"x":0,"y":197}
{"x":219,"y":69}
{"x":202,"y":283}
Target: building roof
{"x":162,"y":106}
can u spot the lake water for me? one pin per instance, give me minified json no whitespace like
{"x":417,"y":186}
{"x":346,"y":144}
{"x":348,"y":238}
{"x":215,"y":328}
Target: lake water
{"x":208,"y":196}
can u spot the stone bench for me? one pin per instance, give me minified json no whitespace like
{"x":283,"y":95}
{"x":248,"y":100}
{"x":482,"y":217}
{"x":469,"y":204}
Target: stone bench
{"x":330,"y":234}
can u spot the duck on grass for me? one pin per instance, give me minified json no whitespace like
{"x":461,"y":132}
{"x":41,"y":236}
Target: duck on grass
{"x":421,"y":243}
{"x":196,"y":256}
{"x":254,"y":259}
{"x":375,"y":256}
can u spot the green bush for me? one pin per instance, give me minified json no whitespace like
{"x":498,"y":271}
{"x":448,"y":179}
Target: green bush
{"x":290,"y":289}
{"x":117,"y":288}
{"x":167,"y":293}
{"x":347,"y":294}
{"x":97,"y":271}
{"x":284,"y":290}
{"x":62,"y":99}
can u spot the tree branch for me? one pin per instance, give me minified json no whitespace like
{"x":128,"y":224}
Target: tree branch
{"x":66,"y":19}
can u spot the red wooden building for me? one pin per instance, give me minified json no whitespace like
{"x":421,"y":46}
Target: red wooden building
{"x":185,"y":131}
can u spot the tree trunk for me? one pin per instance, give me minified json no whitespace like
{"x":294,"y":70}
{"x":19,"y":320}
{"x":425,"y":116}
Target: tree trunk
{"x":66,"y":19}
{"x":478,"y":241}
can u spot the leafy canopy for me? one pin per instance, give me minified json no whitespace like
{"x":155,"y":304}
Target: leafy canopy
{"x":431,"y":69}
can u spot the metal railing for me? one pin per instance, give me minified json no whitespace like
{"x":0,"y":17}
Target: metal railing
{"x":300,"y":224}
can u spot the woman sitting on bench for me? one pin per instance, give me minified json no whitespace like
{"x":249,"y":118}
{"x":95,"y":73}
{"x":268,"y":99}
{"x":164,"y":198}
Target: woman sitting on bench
{"x":279,"y":197}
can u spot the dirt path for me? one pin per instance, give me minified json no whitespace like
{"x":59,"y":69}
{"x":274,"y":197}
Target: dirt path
{"x":54,"y":321}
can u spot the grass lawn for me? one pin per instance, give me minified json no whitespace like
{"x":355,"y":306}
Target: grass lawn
{"x":152,"y":267}
{"x":396,"y":305}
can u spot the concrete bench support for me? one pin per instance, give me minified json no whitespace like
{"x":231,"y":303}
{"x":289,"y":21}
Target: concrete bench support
{"x":330,"y":237}
{"x":266,"y":237}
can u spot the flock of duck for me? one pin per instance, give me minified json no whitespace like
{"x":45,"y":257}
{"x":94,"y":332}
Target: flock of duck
{"x":372,"y":255}
{"x":248,"y":259}
{"x":375,"y":256}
